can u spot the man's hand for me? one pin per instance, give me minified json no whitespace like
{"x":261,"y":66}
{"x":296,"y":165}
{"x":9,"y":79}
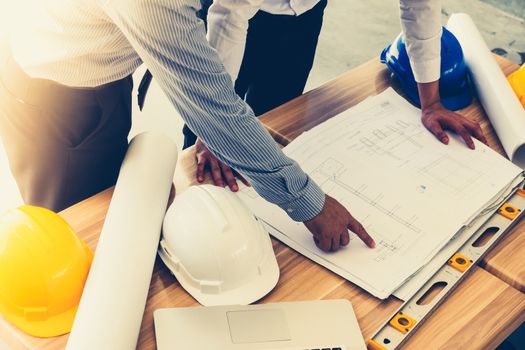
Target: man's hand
{"x":219,"y":170}
{"x":330,"y":227}
{"x":436,"y":118}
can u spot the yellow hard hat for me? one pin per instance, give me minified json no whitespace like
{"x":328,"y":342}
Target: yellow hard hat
{"x":43,"y":268}
{"x":517,"y":81}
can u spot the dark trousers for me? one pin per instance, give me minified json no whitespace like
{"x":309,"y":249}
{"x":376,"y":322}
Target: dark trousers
{"x":63,"y":144}
{"x":278,"y":57}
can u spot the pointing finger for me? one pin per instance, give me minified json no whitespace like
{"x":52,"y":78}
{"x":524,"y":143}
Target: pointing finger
{"x":359,"y":230}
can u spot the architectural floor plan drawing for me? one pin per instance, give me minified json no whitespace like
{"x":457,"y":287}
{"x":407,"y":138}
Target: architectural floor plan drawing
{"x":410,"y":192}
{"x":451,"y":173}
{"x":328,"y":175}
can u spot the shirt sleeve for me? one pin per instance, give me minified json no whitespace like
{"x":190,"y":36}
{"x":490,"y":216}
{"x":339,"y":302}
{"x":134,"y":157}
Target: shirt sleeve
{"x":171,"y":41}
{"x":421,"y":24}
{"x":227,"y":30}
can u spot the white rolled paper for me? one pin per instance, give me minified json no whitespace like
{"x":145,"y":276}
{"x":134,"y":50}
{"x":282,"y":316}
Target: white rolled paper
{"x":495,"y":94}
{"x":112,"y":304}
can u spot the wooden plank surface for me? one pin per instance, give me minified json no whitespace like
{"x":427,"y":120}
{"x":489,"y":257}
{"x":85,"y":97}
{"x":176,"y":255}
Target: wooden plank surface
{"x":452,"y":325}
{"x":479,"y":315}
{"x":507,"y":259}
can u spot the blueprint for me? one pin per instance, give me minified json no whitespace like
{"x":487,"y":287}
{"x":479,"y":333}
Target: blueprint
{"x":411,"y":286}
{"x":411,"y":193}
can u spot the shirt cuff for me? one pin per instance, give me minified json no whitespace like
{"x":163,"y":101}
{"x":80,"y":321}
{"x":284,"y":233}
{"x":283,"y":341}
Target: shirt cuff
{"x":426,"y":71}
{"x":308,"y":206}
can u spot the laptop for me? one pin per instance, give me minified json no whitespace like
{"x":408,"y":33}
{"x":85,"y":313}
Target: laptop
{"x":301,"y":325}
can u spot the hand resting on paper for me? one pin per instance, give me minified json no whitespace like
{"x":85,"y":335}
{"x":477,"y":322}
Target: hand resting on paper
{"x":436,"y":118}
{"x":220,"y":172}
{"x":330,"y":227}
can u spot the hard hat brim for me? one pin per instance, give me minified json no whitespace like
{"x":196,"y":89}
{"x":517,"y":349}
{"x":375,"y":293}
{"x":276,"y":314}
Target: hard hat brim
{"x":247,"y":294}
{"x":57,"y":325}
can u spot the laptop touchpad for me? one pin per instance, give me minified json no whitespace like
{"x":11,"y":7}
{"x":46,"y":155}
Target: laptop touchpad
{"x":257,"y":326}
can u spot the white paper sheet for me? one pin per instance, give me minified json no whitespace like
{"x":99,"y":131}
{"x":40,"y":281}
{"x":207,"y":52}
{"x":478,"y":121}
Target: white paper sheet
{"x":112,"y":304}
{"x":415,"y":282}
{"x":495,"y":94}
{"x":412,"y":193}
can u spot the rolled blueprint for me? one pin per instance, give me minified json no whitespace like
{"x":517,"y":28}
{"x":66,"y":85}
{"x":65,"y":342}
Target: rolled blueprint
{"x":495,"y":94}
{"x":112,"y":305}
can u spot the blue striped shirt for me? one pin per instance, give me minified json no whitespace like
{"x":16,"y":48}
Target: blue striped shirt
{"x":85,"y":43}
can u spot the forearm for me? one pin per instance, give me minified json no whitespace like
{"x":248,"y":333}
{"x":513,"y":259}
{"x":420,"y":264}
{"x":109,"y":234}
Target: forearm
{"x":171,"y":41}
{"x":428,"y":93}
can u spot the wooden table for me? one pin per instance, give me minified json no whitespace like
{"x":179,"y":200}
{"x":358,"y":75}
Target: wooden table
{"x":480,"y":314}
{"x":506,"y":261}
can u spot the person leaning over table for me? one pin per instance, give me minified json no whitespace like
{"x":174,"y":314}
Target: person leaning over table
{"x":65,"y":105}
{"x":65,"y":97}
{"x":268,"y":48}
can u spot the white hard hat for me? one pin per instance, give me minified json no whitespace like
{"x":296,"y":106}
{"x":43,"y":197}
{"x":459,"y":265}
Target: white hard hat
{"x":217,"y":249}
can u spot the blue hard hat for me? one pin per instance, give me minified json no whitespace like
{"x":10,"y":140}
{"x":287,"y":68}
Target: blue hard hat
{"x":454,"y":86}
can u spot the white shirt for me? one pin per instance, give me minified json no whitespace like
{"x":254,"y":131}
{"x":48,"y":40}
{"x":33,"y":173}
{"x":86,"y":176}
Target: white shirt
{"x":420,"y":21}
{"x":287,"y":7}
